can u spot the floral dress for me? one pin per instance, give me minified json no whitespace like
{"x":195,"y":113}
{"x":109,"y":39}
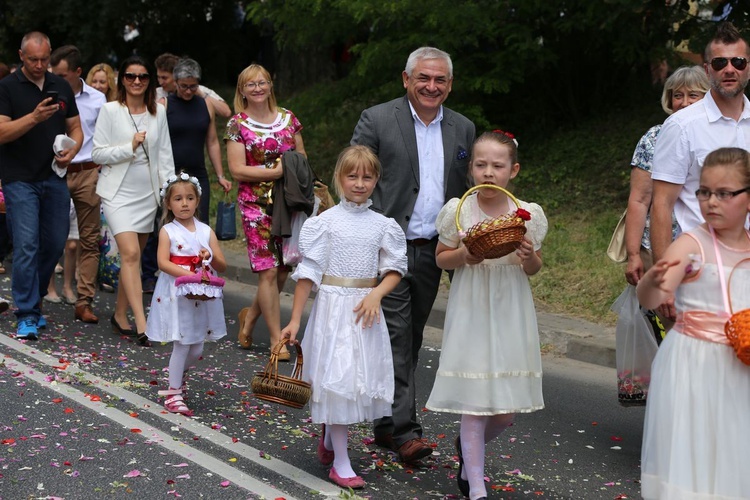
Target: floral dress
{"x":264,"y":143}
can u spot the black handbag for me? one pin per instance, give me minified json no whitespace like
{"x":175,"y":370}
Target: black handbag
{"x":226,"y":228}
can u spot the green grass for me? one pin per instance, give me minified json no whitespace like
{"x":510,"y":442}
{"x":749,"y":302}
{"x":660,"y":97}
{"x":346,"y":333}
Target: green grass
{"x":579,"y":174}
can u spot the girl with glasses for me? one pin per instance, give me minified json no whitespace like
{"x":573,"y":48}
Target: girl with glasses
{"x":132,"y":144}
{"x":694,"y":433}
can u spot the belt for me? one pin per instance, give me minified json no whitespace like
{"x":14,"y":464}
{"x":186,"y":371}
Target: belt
{"x":419,"y":242}
{"x":84,"y":165}
{"x":349,"y":282}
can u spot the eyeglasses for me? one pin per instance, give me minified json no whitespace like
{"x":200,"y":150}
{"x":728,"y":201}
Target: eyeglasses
{"x":191,"y":88}
{"x":130,"y":77}
{"x":261,"y":85}
{"x":721,"y":195}
{"x":719,"y":63}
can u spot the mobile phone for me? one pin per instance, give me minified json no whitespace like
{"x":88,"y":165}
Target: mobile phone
{"x":53,"y":95}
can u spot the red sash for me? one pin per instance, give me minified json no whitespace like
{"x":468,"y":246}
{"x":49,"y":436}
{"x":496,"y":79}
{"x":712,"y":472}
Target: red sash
{"x":186,"y":260}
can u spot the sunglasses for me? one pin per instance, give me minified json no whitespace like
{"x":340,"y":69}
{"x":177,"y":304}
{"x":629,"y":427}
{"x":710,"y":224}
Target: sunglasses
{"x":130,"y":77}
{"x":719,"y":63}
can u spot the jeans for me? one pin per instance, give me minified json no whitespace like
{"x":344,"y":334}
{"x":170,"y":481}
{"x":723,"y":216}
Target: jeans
{"x":38,"y":221}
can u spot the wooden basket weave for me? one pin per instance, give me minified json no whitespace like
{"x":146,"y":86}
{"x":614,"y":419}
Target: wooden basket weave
{"x":269,"y":386}
{"x":493,"y":238}
{"x":737,"y":328}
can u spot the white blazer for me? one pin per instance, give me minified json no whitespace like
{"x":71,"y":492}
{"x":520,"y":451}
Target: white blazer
{"x":113,"y":148}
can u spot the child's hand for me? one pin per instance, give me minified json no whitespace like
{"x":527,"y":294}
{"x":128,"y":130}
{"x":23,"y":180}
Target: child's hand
{"x":659,"y":271}
{"x":289,"y":332}
{"x":204,"y":254}
{"x":368,"y":310}
{"x":525,"y":249}
{"x":470,"y":258}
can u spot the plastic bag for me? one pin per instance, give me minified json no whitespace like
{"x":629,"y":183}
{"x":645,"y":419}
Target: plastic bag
{"x":290,"y":246}
{"x":226,"y":228}
{"x":636,"y":348}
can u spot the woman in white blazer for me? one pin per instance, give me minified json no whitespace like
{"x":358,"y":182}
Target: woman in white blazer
{"x":132,"y":144}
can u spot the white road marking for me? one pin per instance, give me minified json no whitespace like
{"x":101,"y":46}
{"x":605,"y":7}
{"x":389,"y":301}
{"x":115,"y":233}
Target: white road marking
{"x":201,"y":458}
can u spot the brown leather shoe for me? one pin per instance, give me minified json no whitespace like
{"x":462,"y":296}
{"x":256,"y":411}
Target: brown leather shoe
{"x":413,"y":450}
{"x":86,"y":314}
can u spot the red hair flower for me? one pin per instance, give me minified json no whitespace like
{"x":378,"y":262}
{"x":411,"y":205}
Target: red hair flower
{"x":523,"y":214}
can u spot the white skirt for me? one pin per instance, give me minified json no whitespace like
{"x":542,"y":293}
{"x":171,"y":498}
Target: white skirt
{"x":696,"y":438}
{"x":133,"y":208}
{"x":349,"y":367}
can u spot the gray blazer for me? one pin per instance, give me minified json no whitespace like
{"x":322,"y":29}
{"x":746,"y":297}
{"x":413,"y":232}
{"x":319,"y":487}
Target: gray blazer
{"x":388,"y":129}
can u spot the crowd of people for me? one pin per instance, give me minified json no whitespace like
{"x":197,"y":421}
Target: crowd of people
{"x":128,"y":156}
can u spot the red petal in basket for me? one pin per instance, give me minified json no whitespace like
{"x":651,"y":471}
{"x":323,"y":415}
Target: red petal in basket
{"x":525,"y":215}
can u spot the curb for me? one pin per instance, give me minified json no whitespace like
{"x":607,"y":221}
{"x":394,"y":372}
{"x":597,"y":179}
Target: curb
{"x":561,"y":335}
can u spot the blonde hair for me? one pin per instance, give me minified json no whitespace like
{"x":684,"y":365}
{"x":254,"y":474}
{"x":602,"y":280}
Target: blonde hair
{"x":737,"y":158}
{"x":693,"y":78}
{"x":111,"y":84}
{"x":248,"y":74}
{"x":166,"y":214}
{"x":351,"y":159}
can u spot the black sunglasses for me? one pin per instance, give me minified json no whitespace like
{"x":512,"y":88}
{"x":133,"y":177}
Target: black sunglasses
{"x":130,"y":77}
{"x":719,"y":63}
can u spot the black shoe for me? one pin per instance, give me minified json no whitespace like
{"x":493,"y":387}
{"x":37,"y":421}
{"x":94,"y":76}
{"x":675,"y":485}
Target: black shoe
{"x":148,"y":285}
{"x":463,"y":484}
{"x":143,"y":340}
{"x":118,"y":330}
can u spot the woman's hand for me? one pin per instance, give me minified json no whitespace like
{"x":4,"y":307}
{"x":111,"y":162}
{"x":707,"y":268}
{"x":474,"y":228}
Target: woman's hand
{"x":138,"y":139}
{"x":634,"y":269}
{"x":225,"y":184}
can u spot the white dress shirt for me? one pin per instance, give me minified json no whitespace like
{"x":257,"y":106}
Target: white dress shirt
{"x":89,"y":102}
{"x":431,"y":197}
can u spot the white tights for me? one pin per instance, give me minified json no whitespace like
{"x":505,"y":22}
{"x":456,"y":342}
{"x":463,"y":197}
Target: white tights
{"x":337,"y":439}
{"x":476,"y":431}
{"x":183,"y":357}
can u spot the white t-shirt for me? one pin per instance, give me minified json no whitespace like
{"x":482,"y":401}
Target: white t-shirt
{"x":685,"y":140}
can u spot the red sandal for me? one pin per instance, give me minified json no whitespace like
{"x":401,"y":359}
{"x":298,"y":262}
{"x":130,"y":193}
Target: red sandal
{"x":175,"y":402}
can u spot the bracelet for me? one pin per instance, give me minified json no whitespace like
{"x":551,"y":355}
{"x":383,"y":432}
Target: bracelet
{"x":220,"y":177}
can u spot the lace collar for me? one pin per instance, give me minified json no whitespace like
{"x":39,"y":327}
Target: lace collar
{"x":350,"y":206}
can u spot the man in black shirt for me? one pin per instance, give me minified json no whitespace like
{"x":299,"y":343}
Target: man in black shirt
{"x":35,"y":107}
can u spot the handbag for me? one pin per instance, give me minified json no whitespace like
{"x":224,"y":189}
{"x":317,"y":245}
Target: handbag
{"x":321,"y":192}
{"x":616,"y":250}
{"x":635,"y":349}
{"x":226,"y":228}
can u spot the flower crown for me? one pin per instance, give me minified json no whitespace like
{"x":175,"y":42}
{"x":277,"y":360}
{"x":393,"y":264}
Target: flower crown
{"x":506,"y":134}
{"x":182,"y":177}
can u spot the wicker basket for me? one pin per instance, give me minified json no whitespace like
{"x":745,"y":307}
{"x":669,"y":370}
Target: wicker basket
{"x":269,"y":386}
{"x":493,"y":238}
{"x":737,"y":328}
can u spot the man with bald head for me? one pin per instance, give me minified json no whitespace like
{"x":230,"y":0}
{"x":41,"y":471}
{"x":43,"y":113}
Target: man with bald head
{"x":35,"y":107}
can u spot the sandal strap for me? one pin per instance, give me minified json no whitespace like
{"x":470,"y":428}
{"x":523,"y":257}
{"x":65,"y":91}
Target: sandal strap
{"x":170,"y":392}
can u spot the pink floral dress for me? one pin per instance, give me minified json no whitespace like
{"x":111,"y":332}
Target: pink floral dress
{"x":263,"y":144}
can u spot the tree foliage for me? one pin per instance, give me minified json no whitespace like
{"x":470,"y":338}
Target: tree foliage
{"x":518,"y":63}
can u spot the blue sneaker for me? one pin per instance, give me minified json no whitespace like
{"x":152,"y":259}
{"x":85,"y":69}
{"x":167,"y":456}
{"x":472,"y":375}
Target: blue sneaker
{"x":27,"y":328}
{"x":41,"y":324}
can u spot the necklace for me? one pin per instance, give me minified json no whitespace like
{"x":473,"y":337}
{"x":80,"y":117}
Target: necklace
{"x":141,"y":119}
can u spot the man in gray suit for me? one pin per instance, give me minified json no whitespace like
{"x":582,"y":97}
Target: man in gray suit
{"x":424,"y":151}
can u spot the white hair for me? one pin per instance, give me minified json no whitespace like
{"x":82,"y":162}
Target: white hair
{"x":428,"y":53}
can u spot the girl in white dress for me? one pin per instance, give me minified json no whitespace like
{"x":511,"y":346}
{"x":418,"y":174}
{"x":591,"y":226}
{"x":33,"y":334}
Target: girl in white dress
{"x":695,"y":437}
{"x":353,"y":257}
{"x":184,"y":243}
{"x":490,"y":363}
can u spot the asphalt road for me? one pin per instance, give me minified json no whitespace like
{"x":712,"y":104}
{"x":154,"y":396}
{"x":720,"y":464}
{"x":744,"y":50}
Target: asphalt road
{"x":80,"y":419}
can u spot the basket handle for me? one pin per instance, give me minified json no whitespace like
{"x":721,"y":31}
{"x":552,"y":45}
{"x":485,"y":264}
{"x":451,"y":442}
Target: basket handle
{"x":272,"y":368}
{"x":475,"y":188}
{"x":729,"y":281}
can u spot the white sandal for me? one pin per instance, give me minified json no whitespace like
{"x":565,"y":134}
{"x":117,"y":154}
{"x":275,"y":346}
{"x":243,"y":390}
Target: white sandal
{"x":175,"y":403}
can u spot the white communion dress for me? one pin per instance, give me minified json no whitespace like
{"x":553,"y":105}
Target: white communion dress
{"x":350,"y":367}
{"x":490,"y":362}
{"x":175,"y":318}
{"x":696,"y":441}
